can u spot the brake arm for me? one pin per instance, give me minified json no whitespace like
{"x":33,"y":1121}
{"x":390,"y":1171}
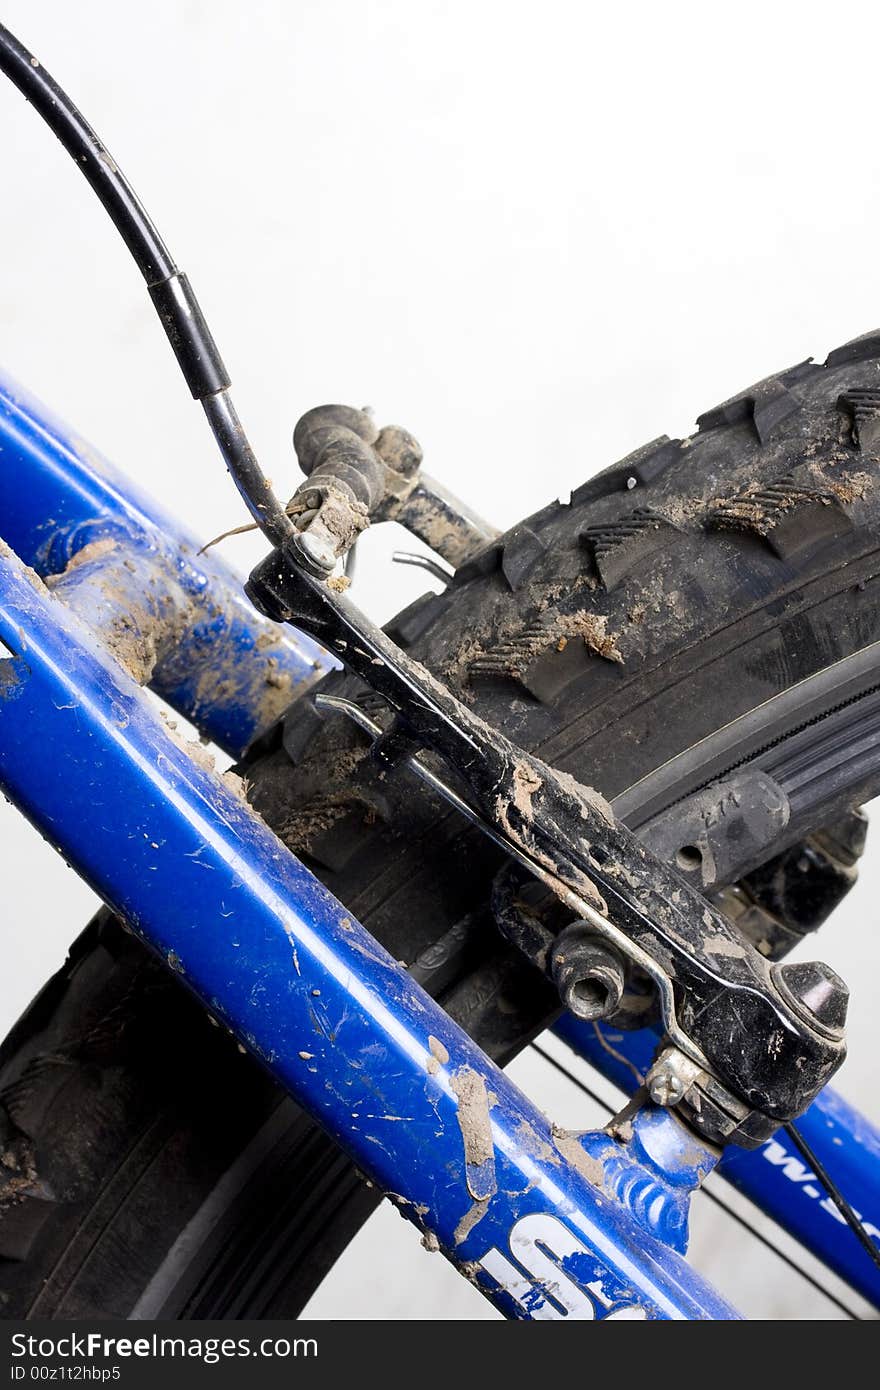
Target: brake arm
{"x":765,"y":1038}
{"x":772,"y":1036}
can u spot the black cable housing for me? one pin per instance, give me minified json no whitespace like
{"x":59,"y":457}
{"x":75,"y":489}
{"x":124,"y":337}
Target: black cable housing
{"x":185,"y":325}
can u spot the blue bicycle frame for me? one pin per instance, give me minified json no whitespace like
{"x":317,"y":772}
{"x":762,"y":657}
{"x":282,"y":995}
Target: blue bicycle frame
{"x":99,"y":594}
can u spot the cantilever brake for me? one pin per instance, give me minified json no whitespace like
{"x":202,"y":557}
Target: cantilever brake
{"x":723,"y":1004}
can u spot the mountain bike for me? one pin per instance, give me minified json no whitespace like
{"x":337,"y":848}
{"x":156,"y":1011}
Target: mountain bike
{"x":312,"y":969}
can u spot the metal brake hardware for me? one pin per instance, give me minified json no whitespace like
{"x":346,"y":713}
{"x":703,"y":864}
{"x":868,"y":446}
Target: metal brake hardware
{"x":745,"y":1044}
{"x":355,"y":474}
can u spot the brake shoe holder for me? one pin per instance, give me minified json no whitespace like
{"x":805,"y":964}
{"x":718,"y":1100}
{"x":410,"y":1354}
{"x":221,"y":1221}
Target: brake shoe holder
{"x":766,"y":1039}
{"x":355,"y":474}
{"x":760,"y":1043}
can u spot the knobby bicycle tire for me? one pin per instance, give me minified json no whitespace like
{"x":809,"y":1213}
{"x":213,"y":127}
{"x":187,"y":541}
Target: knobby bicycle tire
{"x":148,"y":1167}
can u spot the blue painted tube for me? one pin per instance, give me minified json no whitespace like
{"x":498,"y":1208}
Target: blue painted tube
{"x":774,"y":1176}
{"x":777,"y":1180}
{"x":186,"y":623}
{"x":543,"y":1226}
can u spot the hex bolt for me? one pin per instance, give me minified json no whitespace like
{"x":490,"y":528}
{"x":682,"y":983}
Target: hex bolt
{"x":589,"y":974}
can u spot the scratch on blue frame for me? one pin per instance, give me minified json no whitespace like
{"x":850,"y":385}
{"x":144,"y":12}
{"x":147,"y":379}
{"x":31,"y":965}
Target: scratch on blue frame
{"x":273,"y":955}
{"x":223,"y":665}
{"x":774,"y":1177}
{"x":548,"y":1226}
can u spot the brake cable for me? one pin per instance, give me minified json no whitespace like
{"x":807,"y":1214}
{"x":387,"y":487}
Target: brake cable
{"x":170,"y":291}
{"x":567,"y":833}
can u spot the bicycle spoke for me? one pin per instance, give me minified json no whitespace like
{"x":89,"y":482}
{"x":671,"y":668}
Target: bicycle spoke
{"x":719,"y":1201}
{"x":837,"y":1197}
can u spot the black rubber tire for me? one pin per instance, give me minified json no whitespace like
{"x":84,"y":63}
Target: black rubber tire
{"x":676,"y":591}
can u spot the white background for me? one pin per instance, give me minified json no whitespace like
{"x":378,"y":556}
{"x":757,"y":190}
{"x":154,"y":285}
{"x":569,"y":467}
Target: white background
{"x":535,"y":234}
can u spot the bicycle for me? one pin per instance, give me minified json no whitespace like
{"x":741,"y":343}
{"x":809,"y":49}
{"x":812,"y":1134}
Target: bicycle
{"x":516,"y":891}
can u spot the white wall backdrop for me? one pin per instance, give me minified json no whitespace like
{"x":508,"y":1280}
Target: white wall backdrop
{"x":535,"y":234}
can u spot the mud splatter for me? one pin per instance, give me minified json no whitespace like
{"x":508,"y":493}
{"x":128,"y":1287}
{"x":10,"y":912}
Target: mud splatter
{"x":439,"y":1055}
{"x":476,"y":1132}
{"x":594,"y":629}
{"x":467,"y":1223}
{"x":569,"y":1145}
{"x":721,"y":946}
